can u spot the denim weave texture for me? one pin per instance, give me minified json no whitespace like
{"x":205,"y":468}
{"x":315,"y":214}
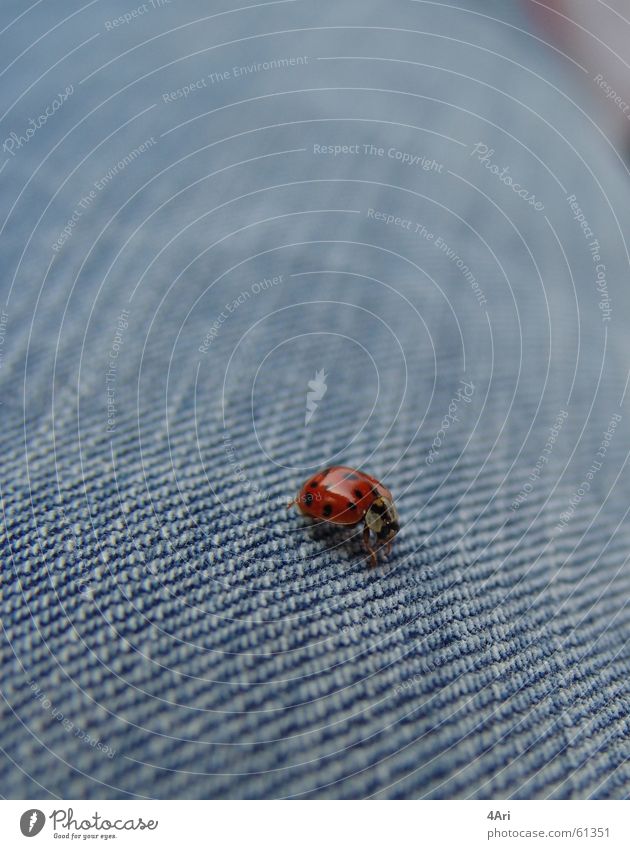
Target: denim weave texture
{"x":169,"y":629}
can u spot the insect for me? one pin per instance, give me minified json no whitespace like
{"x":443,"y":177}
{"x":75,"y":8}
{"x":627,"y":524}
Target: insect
{"x":345,"y":496}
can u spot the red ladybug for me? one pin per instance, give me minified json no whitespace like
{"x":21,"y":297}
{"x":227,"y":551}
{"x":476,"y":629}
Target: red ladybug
{"x":345,"y":496}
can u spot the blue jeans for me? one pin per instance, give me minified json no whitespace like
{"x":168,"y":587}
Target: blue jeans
{"x":231,"y":258}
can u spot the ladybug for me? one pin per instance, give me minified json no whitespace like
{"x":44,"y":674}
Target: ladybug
{"x":345,"y":496}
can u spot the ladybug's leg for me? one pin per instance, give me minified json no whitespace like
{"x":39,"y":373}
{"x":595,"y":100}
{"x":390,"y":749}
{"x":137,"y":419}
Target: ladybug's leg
{"x":366,"y":543}
{"x":291,"y":503}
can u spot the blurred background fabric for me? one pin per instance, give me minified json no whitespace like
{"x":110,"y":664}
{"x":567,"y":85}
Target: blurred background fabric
{"x":204,"y":206}
{"x":595,"y":36}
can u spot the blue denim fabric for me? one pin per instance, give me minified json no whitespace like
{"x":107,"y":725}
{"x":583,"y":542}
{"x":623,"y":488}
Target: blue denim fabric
{"x":168,"y":628}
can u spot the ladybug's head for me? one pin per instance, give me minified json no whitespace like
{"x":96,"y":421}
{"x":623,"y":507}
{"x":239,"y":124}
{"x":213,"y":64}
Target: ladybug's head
{"x":382,"y":519}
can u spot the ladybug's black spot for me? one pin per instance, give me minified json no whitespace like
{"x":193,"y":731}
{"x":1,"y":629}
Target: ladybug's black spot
{"x":327,"y":511}
{"x":352,"y":505}
{"x":313,"y":483}
{"x":308,"y":498}
{"x":358,"y":492}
